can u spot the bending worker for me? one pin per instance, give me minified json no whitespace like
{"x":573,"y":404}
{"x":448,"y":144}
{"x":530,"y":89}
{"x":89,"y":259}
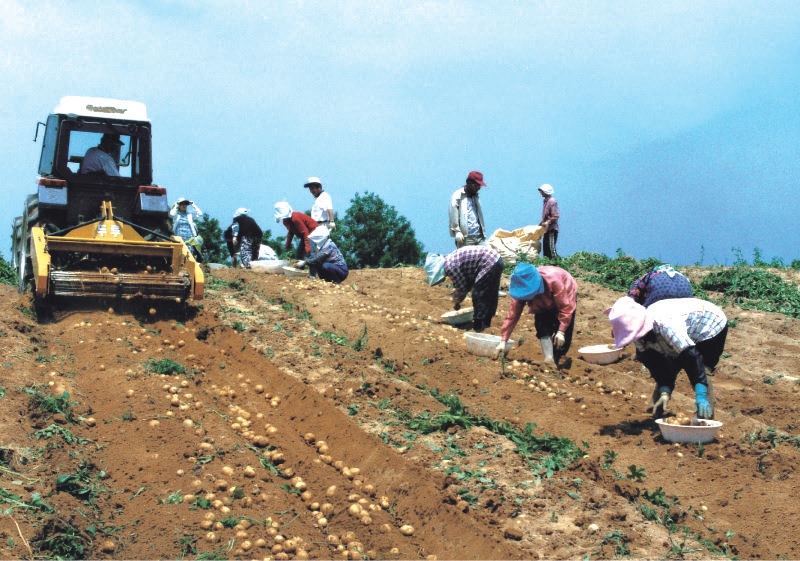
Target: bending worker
{"x":325,"y":260}
{"x":659,"y":284}
{"x":297,"y":224}
{"x":475,"y":268}
{"x":677,"y":333}
{"x":551,"y":295}
{"x":247,"y":235}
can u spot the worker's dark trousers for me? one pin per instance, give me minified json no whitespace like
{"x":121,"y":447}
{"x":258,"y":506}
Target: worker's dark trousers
{"x":484,"y":297}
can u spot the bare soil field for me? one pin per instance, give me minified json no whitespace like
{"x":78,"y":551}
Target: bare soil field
{"x":288,"y":418}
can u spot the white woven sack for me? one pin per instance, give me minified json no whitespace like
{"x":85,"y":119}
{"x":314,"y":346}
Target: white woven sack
{"x":520,"y":242}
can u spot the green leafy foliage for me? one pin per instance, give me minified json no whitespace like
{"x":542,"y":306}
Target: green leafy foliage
{"x":201,"y":503}
{"x":545,"y":454}
{"x":175,"y":498}
{"x":614,"y":273}
{"x":271,"y":467}
{"x":164,"y":366}
{"x":750,"y":287}
{"x":619,"y":540}
{"x":772,"y":437}
{"x":373,"y":234}
{"x":343,"y":341}
{"x":63,"y":541}
{"x":83,"y":483}
{"x":213,"y":245}
{"x":35,"y":501}
{"x":230,"y":521}
{"x":42,"y":400}
{"x":7,"y":273}
{"x":188,"y":545}
{"x":58,"y":431}
{"x":636,"y":473}
{"x":755,"y":289}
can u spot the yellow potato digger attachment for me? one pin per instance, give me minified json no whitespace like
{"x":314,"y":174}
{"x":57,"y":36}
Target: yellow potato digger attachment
{"x":97,"y":226}
{"x":108,"y":257}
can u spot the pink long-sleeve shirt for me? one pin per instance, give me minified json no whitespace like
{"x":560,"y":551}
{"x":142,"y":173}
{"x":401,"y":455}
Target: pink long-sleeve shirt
{"x":560,"y":294}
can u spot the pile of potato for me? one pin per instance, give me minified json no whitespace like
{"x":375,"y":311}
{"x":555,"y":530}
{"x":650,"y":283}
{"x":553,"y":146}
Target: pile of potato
{"x":683,"y":420}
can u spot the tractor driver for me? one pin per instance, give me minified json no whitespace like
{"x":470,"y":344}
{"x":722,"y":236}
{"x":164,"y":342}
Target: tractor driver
{"x":103,"y":158}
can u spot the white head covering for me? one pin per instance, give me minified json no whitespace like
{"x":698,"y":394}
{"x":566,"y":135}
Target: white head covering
{"x":434,"y":268}
{"x":183,"y":200}
{"x":240,"y":211}
{"x":319,"y":235}
{"x":282,"y":210}
{"x":312,"y":180}
{"x":546,"y":188}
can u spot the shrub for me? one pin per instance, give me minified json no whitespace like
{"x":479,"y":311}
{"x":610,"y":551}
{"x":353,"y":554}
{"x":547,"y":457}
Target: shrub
{"x":7,"y":273}
{"x":373,"y":234}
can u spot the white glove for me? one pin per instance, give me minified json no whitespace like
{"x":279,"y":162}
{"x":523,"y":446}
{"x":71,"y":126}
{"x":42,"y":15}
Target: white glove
{"x":459,"y":239}
{"x":559,"y":341}
{"x":300,"y":264}
{"x":331,"y":225}
{"x":661,"y":403}
{"x":502,"y":349}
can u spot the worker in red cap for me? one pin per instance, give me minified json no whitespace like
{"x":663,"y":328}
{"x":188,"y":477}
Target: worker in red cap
{"x":466,"y":216}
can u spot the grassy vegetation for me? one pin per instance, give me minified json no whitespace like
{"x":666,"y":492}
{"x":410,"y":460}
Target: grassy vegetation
{"x":746,"y":285}
{"x":544,"y":454}
{"x":755,"y":289}
{"x":359,"y":344}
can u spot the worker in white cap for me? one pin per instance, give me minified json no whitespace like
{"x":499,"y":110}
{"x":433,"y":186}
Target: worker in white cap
{"x":322,"y":211}
{"x":185,"y":214}
{"x":550,"y":217}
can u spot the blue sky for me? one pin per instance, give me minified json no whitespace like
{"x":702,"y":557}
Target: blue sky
{"x":668,"y":129}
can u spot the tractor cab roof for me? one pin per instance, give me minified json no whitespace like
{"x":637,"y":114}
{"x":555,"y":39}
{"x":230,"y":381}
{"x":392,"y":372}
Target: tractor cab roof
{"x":102,"y":108}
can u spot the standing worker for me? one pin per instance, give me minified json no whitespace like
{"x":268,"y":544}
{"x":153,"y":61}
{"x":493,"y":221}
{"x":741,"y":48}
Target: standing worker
{"x":297,"y":224}
{"x":475,"y":268}
{"x":322,"y":211}
{"x":551,"y":295}
{"x":184,"y":214}
{"x":465,"y":214}
{"x":681,"y":333}
{"x":550,"y":217}
{"x":247,"y":234}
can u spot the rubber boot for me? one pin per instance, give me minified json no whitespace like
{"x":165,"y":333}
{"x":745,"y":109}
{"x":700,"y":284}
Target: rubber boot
{"x":547,"y":350}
